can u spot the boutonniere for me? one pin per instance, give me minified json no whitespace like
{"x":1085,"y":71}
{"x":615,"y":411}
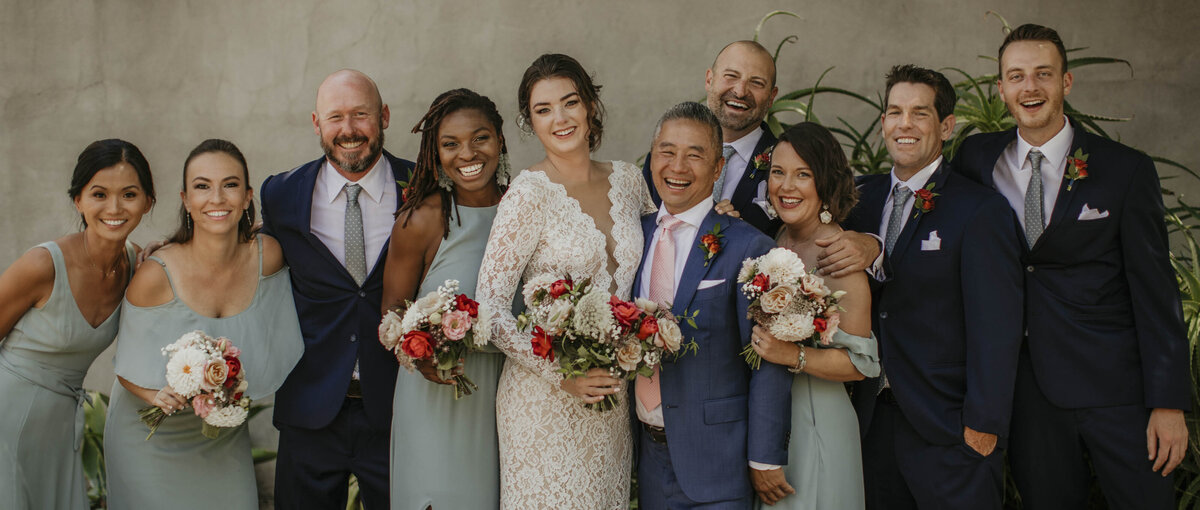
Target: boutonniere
{"x":923,"y":199}
{"x":1076,"y":167}
{"x":760,"y":162}
{"x":710,"y":243}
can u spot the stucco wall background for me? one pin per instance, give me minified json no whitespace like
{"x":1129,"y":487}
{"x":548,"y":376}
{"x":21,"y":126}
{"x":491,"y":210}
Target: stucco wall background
{"x":166,"y":75}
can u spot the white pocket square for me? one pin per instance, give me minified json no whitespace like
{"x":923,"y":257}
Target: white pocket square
{"x":704,"y":284}
{"x":1088,"y":214}
{"x":934,"y":243}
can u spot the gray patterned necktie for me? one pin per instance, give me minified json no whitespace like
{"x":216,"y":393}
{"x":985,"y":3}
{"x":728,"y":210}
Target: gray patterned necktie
{"x":356,"y":253}
{"x":1034,"y":215}
{"x":900,"y":195}
{"x":719,"y":184}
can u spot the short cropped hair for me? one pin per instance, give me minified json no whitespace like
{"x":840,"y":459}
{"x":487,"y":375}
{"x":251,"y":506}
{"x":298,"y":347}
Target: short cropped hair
{"x":692,"y":110}
{"x":1032,"y":32}
{"x":944,"y":96}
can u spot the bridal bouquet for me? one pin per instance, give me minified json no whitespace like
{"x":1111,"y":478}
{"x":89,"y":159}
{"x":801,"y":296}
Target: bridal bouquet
{"x":441,"y":327}
{"x":584,"y":327}
{"x":208,"y":372}
{"x":792,"y":303}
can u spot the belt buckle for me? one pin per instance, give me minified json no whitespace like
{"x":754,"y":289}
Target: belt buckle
{"x":355,"y":389}
{"x":657,"y":434}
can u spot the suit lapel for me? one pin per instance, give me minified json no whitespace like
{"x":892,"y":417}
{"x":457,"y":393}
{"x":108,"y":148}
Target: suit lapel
{"x":874,"y":195}
{"x":747,"y":187}
{"x":938,"y":179}
{"x":648,"y":226}
{"x":994,"y":152}
{"x":694,"y":269}
{"x":303,"y":204}
{"x":1063,"y":202}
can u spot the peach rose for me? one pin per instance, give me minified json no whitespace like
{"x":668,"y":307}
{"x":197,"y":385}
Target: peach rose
{"x":777,"y":300}
{"x":629,"y":355}
{"x":215,"y":373}
{"x":669,"y":336}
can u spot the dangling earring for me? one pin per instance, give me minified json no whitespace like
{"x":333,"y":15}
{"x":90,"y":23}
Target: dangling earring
{"x":771,"y":212}
{"x":187,"y":216}
{"x":444,"y":181}
{"x":826,"y":216}
{"x":523,"y":125}
{"x":246,"y":216}
{"x":503,"y":171}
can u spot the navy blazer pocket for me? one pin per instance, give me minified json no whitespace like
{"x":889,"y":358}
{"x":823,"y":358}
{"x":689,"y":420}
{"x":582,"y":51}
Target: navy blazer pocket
{"x":725,"y":410}
{"x":718,"y":291}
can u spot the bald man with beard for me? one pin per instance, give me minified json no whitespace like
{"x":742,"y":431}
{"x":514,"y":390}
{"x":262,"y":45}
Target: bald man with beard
{"x":332,"y":217}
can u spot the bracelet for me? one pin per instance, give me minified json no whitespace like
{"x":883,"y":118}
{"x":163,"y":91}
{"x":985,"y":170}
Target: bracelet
{"x":801,"y":361}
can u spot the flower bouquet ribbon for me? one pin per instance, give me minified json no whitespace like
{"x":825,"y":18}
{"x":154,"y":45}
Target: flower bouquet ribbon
{"x":583,"y":327}
{"x":440,"y":327}
{"x":792,"y":303}
{"x":207,"y":372}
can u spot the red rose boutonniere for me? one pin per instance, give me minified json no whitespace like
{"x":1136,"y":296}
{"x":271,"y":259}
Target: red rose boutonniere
{"x":1076,"y":168}
{"x":923,"y":199}
{"x":711,"y":243}
{"x":761,"y":162}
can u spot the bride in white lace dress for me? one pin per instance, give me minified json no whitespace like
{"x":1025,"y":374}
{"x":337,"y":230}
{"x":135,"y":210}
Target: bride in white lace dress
{"x":565,"y":216}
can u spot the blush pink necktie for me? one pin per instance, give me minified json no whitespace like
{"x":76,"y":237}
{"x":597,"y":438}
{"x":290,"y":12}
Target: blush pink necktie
{"x":662,"y":291}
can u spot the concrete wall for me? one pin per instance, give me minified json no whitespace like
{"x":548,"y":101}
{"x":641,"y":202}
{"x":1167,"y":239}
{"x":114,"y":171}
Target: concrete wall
{"x":166,"y":75}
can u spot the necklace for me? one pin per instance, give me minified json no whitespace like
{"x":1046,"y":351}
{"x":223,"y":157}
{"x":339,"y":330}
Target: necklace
{"x":105,"y":274}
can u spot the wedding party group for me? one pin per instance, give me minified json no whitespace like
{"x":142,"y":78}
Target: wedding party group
{"x":739,"y":322}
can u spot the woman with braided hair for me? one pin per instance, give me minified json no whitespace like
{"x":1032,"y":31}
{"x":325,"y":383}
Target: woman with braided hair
{"x":444,"y":452}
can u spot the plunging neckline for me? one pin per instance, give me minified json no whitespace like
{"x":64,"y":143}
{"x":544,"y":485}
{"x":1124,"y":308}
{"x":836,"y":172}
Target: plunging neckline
{"x":612,"y":206}
{"x":71,"y":295}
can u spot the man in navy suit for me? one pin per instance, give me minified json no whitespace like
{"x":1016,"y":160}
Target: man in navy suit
{"x":947,"y":311}
{"x":741,"y":88}
{"x":705,"y":418}
{"x":1104,"y":365}
{"x":332,"y":218}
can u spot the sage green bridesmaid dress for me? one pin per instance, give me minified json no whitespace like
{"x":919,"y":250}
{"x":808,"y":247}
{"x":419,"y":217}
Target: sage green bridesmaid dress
{"x":445,"y":452}
{"x":825,"y":453}
{"x":179,"y":468}
{"x":42,"y":364}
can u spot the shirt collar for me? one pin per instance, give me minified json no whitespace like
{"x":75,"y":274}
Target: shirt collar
{"x":745,"y":145}
{"x":919,"y":179}
{"x":1054,"y":150}
{"x":694,"y":216}
{"x":374,"y":184}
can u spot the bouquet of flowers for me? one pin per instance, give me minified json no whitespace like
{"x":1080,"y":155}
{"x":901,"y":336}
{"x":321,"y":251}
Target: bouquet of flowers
{"x":792,"y":303}
{"x":208,"y":372}
{"x":442,"y":327}
{"x":584,"y":327}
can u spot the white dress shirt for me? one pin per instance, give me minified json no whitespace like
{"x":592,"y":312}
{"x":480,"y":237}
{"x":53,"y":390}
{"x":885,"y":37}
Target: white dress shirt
{"x":743,"y":151}
{"x":1013,"y":169}
{"x":377,"y":201}
{"x":914,"y":183}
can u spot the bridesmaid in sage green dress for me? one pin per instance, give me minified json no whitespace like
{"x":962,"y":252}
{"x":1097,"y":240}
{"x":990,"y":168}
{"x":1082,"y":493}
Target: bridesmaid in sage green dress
{"x":812,"y":189}
{"x":58,"y":310}
{"x":216,"y":276}
{"x":444,"y":451}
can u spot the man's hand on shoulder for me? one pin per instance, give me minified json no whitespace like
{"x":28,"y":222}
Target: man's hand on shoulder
{"x":1166,"y":439}
{"x":846,"y":253}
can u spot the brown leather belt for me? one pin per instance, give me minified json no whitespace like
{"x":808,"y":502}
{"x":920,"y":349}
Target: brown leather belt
{"x":657,"y":434}
{"x":355,"y":389}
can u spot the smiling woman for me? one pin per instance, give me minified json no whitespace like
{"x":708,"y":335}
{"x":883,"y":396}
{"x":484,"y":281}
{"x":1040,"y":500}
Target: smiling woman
{"x":58,"y":311}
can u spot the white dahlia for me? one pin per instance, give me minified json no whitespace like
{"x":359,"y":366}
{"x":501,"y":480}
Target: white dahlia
{"x":185,"y":371}
{"x":781,"y":265}
{"x":226,"y":417}
{"x":793,"y":327}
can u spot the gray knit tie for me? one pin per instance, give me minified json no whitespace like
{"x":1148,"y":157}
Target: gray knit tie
{"x":356,"y":253}
{"x":900,"y":195}
{"x":719,"y":184}
{"x":1034,"y":216}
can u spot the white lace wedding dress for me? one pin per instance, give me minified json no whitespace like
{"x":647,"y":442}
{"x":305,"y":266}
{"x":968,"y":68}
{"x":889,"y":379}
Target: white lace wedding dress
{"x":554,"y":452}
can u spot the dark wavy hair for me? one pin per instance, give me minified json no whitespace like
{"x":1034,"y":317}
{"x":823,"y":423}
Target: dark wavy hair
{"x":1032,"y":32}
{"x":557,"y":65}
{"x":944,"y":96}
{"x":246,"y":229}
{"x":103,"y":154}
{"x":424,"y":182}
{"x":831,"y":173}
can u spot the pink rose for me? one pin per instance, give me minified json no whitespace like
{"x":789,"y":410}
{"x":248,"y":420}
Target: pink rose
{"x":230,"y":350}
{"x":456,"y":324}
{"x":203,"y":404}
{"x":831,"y":327}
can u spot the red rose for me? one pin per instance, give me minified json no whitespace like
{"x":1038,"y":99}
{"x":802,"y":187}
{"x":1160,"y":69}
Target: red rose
{"x":417,"y":344}
{"x":1081,"y":167}
{"x":466,"y":304}
{"x":820,"y":324}
{"x":237,"y":396}
{"x":926,"y":198}
{"x":711,"y":243}
{"x":560,"y":287}
{"x":625,"y":312}
{"x":762,"y":281}
{"x":648,"y":329}
{"x":543,"y":344}
{"x":235,"y":367}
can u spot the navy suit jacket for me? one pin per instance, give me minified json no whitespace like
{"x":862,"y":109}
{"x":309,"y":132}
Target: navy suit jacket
{"x":747,"y":188}
{"x":1104,"y":318}
{"x":948,"y":319}
{"x":338,"y":318}
{"x":719,"y":414}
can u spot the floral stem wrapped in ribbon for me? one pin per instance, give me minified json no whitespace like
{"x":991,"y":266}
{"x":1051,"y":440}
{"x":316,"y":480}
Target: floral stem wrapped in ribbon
{"x":207,"y":372}
{"x":583,"y":327}
{"x":440,"y":327}
{"x":792,"y":303}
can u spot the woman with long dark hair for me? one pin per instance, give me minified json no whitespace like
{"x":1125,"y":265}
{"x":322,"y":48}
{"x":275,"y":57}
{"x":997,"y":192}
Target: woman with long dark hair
{"x":439,"y":234}
{"x":219,"y":276}
{"x":59,"y":308}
